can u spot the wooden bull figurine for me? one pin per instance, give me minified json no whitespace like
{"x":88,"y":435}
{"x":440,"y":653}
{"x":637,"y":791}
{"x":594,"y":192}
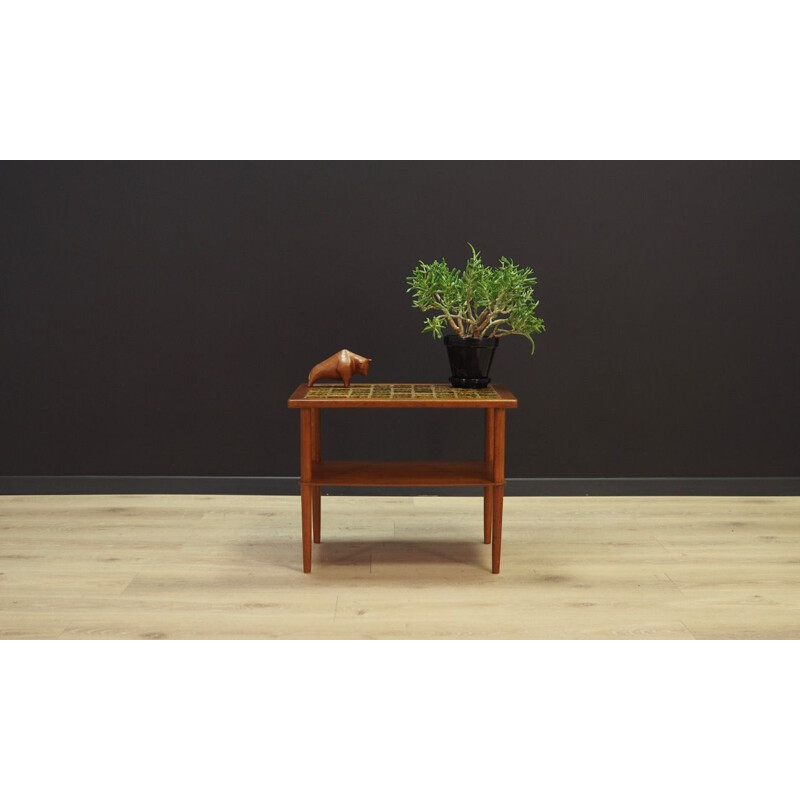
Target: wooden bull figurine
{"x":342,"y":365}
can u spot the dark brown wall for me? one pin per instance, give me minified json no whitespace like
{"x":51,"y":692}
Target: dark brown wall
{"x":154,"y":317}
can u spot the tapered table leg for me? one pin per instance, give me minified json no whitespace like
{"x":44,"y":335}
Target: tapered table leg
{"x":488,"y":511}
{"x":488,"y":458}
{"x":306,"y":490}
{"x":306,"y":498}
{"x":316,"y":513}
{"x":499,"y":480}
{"x":497,"y":528}
{"x":317,"y":491}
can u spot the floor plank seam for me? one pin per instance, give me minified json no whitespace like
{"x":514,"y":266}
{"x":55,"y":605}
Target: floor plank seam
{"x":673,"y":583}
{"x":691,"y":633}
{"x":666,"y":550}
{"x":128,"y":584}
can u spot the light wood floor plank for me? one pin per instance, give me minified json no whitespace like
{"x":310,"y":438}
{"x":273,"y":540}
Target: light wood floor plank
{"x":226,"y":567}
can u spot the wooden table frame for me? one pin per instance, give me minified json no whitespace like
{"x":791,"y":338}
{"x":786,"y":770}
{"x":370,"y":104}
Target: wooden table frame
{"x":489,"y":473}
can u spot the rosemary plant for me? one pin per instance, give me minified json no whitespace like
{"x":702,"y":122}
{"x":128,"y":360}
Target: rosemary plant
{"x":478,"y":301}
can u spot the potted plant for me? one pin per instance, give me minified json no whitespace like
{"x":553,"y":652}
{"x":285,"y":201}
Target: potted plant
{"x":476,"y":307}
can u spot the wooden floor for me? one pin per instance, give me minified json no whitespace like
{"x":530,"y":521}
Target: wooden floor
{"x":211,"y":567}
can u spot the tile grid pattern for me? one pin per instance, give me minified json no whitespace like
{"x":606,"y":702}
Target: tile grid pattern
{"x":391,"y":391}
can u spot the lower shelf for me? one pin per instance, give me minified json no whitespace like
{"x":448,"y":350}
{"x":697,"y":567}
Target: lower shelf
{"x":401,"y":473}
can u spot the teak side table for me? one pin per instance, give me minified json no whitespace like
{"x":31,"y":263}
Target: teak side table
{"x":316,"y":473}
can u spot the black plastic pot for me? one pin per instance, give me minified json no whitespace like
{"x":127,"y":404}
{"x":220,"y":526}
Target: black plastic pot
{"x":470,"y":361}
